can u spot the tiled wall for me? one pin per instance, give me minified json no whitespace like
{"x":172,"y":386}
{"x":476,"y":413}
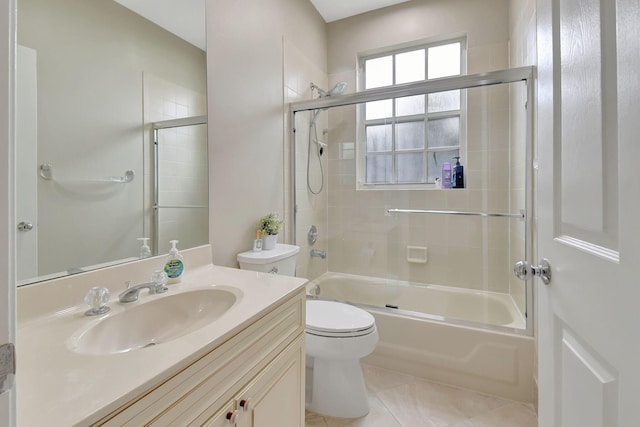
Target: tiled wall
{"x":182,"y":154}
{"x":470,"y":252}
{"x":299,"y":72}
{"x":463,"y":251}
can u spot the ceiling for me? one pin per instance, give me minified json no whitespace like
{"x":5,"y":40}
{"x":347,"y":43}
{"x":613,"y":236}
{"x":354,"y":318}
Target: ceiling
{"x":191,"y":25}
{"x":333,"y":10}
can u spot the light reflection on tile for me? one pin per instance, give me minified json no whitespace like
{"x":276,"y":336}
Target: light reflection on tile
{"x":509,"y":415}
{"x":378,"y":379}
{"x":378,"y":416}
{"x":399,"y":400}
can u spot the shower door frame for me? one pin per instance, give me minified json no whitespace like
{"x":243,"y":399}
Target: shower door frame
{"x":156,"y":206}
{"x":512,"y":75}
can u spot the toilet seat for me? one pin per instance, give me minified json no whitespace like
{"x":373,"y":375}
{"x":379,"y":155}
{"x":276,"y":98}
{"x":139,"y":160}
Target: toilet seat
{"x":339,"y":320}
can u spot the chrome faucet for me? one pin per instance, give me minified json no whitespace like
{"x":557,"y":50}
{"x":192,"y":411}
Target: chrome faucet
{"x":131,"y":294}
{"x":318,"y":253}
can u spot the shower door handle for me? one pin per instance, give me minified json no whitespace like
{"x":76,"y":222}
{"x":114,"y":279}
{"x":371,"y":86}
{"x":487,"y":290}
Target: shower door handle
{"x":524,"y":270}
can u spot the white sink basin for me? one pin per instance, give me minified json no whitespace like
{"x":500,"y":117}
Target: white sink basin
{"x":154,"y":322}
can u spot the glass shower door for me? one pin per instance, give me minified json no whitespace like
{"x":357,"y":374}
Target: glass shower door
{"x":409,"y":243}
{"x":180,"y":183}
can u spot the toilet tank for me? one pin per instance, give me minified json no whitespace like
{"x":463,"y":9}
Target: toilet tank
{"x":280,"y":260}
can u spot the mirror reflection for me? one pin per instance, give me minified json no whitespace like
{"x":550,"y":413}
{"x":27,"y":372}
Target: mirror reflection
{"x":103,"y":157}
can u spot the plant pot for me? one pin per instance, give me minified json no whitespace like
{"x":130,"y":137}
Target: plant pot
{"x":269,"y":242}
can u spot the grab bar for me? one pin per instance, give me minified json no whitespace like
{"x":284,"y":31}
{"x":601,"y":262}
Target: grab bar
{"x":46,"y":172}
{"x":521,"y":215}
{"x":178,"y":206}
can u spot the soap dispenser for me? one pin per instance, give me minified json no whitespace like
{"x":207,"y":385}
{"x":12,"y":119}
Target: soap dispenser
{"x":257,"y":244}
{"x":174,"y":265}
{"x":145,"y":250}
{"x":446,"y":175}
{"x":457,"y":180}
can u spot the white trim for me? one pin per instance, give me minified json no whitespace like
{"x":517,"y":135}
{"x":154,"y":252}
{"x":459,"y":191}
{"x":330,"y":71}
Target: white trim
{"x":362,"y":123}
{"x":7,"y":193}
{"x":590,"y":248}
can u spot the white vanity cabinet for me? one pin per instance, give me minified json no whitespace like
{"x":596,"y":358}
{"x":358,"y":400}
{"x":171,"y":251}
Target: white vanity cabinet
{"x":271,"y":399}
{"x":254,"y":378}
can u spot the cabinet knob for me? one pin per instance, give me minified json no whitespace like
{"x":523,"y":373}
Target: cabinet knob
{"x":231,"y":416}
{"x":245,"y":403}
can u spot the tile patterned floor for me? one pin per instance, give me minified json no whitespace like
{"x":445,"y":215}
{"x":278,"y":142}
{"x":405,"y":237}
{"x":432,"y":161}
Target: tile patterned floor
{"x":399,"y":400}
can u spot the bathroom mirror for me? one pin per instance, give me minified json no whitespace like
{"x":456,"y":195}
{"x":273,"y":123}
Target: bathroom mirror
{"x":100,"y":163}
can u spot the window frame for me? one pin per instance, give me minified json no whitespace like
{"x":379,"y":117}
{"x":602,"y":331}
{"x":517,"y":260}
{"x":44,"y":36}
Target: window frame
{"x":362,"y":123}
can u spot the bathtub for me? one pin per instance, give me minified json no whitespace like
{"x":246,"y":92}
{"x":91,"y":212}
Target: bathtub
{"x":466,"y":338}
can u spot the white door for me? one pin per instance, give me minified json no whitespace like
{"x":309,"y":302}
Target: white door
{"x":589,"y":212}
{"x":7,"y":234}
{"x":26,"y":164}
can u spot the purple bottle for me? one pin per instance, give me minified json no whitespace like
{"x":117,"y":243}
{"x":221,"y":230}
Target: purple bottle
{"x":446,"y":175}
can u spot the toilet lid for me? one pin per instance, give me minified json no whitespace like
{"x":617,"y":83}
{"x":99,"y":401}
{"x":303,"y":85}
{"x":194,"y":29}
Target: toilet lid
{"x":330,"y":318}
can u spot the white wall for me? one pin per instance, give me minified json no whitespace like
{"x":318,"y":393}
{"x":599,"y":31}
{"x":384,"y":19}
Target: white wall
{"x":89,"y":130}
{"x":245,"y":66}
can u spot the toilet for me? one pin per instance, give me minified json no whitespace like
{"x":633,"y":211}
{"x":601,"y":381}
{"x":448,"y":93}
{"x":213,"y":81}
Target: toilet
{"x":280,"y":260}
{"x":337,"y":336}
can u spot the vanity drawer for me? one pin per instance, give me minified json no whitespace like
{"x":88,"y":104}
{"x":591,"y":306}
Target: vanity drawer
{"x":217,"y":375}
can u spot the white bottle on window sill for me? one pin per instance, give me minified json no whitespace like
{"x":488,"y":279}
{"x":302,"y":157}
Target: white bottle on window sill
{"x":438,"y":184}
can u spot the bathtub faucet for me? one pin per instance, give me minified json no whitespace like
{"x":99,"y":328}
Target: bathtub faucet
{"x":313,"y":290}
{"x":318,"y":253}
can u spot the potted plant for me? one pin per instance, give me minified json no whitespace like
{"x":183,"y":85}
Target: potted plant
{"x":269,"y":225}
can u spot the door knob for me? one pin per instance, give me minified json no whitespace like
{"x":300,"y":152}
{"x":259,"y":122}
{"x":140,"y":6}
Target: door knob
{"x":25,"y":226}
{"x":524,"y":270}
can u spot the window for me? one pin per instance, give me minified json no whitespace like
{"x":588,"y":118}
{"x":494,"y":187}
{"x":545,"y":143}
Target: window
{"x":406,"y":140}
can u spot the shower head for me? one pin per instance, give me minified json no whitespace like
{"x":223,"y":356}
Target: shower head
{"x":337,"y":89}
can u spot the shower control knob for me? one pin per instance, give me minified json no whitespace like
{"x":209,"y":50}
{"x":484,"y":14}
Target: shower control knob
{"x":524,"y":271}
{"x":97,"y":299}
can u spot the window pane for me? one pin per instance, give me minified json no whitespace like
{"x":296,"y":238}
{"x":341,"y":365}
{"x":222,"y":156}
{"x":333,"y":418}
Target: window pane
{"x":378,"y":138}
{"x":378,"y":72}
{"x":410,"y":136}
{"x":444,"y":60}
{"x":443,"y":132}
{"x":410,"y":66}
{"x":410,"y":167}
{"x":443,"y":101}
{"x":410,"y":105}
{"x":378,"y":169}
{"x":435,"y":159}
{"x":379,"y":109}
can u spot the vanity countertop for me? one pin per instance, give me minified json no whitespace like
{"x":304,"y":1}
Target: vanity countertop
{"x":58,"y":386}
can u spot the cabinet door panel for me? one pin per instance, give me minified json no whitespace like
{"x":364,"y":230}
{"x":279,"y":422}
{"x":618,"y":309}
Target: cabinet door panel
{"x":220,"y":418}
{"x":276,"y":396}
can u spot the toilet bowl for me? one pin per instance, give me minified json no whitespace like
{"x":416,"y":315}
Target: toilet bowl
{"x":337,"y":336}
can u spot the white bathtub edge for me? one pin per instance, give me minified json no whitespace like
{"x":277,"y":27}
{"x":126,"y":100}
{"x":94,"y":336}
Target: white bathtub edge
{"x":484,"y":361}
